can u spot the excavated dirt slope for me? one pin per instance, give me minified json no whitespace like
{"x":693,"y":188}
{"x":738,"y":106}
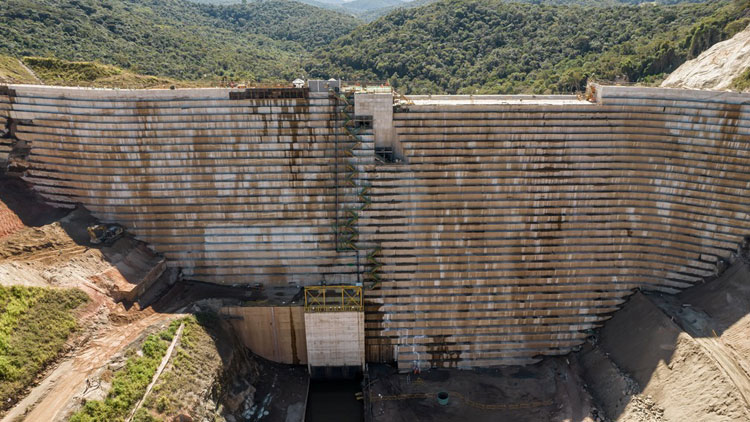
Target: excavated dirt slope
{"x":676,"y":358}
{"x":53,"y":249}
{"x":48,"y":247}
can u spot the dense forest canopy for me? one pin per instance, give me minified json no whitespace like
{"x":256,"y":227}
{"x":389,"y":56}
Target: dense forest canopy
{"x":492,"y":46}
{"x":369,"y":10}
{"x":449,"y":46}
{"x":263,"y":40}
{"x":282,"y":20}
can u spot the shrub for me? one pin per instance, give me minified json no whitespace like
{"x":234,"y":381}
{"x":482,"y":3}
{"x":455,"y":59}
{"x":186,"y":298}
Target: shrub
{"x":130,"y":382}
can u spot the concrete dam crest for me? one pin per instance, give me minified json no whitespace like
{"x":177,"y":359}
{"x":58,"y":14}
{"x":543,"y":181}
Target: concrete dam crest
{"x":485,"y":230}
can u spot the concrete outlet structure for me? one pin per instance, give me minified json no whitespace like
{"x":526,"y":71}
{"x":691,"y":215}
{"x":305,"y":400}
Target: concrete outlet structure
{"x":335,"y":339}
{"x":486,"y":230}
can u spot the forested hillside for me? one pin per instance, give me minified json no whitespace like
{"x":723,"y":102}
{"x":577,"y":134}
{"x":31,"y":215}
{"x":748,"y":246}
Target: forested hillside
{"x":369,"y":10}
{"x":283,"y":20}
{"x":492,"y":46}
{"x":177,"y":38}
{"x":450,"y":46}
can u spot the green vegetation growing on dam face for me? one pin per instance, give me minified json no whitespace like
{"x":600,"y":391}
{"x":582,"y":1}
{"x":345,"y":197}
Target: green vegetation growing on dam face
{"x":34,"y":325}
{"x":176,"y":38}
{"x":491,"y":46}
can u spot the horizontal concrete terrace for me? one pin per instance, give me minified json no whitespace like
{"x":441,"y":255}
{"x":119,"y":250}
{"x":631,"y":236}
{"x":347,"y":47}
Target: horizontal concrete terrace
{"x":510,"y":226}
{"x":452,"y":100}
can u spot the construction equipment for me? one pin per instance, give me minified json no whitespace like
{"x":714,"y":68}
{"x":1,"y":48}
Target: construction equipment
{"x":105,"y":233}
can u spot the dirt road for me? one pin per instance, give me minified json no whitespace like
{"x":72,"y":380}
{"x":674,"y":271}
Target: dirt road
{"x":51,"y":399}
{"x":49,"y":247}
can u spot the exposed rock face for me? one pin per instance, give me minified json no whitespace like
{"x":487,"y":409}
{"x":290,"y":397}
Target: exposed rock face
{"x":716,"y":68}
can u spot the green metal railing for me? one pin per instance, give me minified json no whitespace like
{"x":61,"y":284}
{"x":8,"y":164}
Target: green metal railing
{"x":346,"y":231}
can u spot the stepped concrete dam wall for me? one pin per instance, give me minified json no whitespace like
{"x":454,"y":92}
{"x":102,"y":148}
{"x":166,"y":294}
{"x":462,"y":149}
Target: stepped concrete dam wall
{"x":486,"y":230}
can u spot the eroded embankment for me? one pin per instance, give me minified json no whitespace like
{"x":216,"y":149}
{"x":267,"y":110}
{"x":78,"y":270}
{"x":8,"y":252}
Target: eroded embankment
{"x":676,"y":358}
{"x":721,"y":67}
{"x":208,"y":375}
{"x":48,"y":248}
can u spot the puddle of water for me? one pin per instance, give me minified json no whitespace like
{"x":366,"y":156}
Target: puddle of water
{"x":334,"y":400}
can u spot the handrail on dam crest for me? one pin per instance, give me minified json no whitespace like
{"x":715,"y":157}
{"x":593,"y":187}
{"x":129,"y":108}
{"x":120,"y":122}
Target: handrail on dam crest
{"x":333,"y":299}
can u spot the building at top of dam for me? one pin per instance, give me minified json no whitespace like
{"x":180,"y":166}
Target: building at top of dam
{"x":485,"y":230}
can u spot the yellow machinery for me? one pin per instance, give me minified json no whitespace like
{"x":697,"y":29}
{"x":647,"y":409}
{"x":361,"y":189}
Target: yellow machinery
{"x":105,"y":233}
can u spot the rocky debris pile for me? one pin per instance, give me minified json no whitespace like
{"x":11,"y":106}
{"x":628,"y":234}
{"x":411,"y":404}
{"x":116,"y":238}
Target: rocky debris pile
{"x":240,"y":400}
{"x":643,"y":409}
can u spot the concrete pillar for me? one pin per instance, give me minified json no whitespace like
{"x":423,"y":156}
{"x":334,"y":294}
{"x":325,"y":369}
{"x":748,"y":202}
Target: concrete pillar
{"x":380,"y":107}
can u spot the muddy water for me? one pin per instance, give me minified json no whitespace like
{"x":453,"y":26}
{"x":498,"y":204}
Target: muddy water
{"x":334,"y":400}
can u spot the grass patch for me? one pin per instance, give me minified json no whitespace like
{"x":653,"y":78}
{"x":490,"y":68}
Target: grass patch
{"x":129,"y":382}
{"x":11,"y":71}
{"x":35,"y":323}
{"x":54,"y":71}
{"x":51,"y":69}
{"x":182,"y":386}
